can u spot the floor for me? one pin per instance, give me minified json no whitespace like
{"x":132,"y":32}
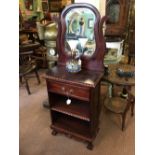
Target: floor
{"x":35,"y":134}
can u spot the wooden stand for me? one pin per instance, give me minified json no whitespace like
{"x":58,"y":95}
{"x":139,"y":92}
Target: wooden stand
{"x":79,"y":119}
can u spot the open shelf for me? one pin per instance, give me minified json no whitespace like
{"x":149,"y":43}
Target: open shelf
{"x":78,"y":109}
{"x":72,"y":126}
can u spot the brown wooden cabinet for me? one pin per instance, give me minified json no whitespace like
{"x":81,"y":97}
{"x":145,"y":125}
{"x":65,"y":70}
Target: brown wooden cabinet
{"x":117,"y":13}
{"x":81,"y":117}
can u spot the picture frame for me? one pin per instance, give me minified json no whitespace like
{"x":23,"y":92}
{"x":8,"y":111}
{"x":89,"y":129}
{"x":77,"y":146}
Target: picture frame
{"x":55,"y":6}
{"x":58,"y":5}
{"x":90,"y":23}
{"x":45,"y":6}
{"x":28,"y":5}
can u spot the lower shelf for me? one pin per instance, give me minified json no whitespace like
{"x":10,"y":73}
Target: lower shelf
{"x":72,"y":126}
{"x":77,"y":109}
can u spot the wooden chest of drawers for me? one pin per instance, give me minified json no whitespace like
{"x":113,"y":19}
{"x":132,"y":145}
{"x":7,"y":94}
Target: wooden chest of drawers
{"x":81,"y":118}
{"x":69,"y":90}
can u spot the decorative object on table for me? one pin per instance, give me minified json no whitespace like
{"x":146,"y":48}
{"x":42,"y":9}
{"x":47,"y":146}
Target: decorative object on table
{"x":106,"y":70}
{"x":120,"y":72}
{"x":73,"y":65}
{"x":114,"y":51}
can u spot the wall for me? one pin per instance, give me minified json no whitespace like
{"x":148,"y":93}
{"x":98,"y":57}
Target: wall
{"x":99,"y":4}
{"x":28,"y":14}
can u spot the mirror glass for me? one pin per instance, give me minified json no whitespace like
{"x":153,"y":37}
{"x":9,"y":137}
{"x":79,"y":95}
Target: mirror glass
{"x":79,"y":37}
{"x":113,"y":11}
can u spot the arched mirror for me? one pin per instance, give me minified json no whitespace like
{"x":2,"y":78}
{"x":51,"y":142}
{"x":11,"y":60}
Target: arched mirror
{"x":80,"y":41}
{"x":79,"y":37}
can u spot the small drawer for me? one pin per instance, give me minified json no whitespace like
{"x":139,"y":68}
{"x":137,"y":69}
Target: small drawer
{"x":69,"y":90}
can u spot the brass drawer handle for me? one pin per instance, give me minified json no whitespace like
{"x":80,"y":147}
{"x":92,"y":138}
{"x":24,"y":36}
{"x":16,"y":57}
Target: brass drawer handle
{"x":63,"y":88}
{"x":71,"y":91}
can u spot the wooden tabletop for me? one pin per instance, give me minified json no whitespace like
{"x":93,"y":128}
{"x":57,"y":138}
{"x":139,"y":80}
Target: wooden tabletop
{"x":113,"y":78}
{"x":84,"y":77}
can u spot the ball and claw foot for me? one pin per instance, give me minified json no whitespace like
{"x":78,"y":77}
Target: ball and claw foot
{"x":54,"y":133}
{"x":90,"y":146}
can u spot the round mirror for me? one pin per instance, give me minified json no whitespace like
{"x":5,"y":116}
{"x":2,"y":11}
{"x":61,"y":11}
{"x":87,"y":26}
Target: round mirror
{"x":79,"y":37}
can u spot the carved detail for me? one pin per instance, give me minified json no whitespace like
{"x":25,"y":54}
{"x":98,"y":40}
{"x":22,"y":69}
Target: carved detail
{"x":54,"y":132}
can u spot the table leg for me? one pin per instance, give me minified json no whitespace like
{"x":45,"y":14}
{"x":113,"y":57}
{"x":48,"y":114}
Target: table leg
{"x":111,"y":90}
{"x":46,"y":104}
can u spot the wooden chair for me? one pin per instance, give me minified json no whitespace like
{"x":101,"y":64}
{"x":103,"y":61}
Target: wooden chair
{"x":27,"y":65}
{"x":119,"y":105}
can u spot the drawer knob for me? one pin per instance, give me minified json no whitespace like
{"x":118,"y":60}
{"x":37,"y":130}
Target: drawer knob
{"x":71,"y":90}
{"x":68,"y":101}
{"x":63,"y":88}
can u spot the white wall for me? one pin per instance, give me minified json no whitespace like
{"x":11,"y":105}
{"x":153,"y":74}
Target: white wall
{"x":99,"y":4}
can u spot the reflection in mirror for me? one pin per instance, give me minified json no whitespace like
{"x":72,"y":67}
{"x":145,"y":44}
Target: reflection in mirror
{"x":29,"y":4}
{"x":80,"y":32}
{"x":113,"y":11}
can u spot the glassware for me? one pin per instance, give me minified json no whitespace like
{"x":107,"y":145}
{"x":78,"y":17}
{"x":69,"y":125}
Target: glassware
{"x":73,"y":65}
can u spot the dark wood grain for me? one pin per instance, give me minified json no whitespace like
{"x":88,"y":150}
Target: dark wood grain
{"x":119,"y":28}
{"x":75,"y":109}
{"x":73,"y":127}
{"x":115,"y":79}
{"x":80,"y":119}
{"x":69,"y":90}
{"x":84,"y":77}
{"x":95,"y":62}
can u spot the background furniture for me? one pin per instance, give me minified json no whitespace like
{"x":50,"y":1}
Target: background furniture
{"x":80,"y":90}
{"x":117,"y":13}
{"x":121,"y":102}
{"x":131,"y":33}
{"x":59,"y":5}
{"x":47,"y":32}
{"x":27,"y":65}
{"x":31,"y":34}
{"x":31,"y":39}
{"x":114,"y":52}
{"x":119,"y":105}
{"x":27,"y":61}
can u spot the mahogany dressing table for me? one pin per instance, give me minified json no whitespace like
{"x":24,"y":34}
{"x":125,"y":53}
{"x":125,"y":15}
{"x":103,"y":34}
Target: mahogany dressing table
{"x":74,"y":97}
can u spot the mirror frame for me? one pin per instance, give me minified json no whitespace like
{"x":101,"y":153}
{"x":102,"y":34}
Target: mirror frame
{"x":95,"y":62}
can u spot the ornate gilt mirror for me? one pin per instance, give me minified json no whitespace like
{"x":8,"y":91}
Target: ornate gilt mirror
{"x":80,"y":37}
